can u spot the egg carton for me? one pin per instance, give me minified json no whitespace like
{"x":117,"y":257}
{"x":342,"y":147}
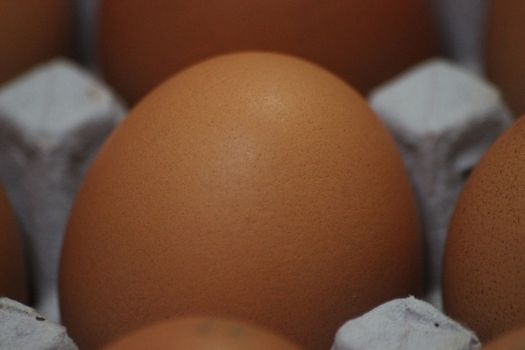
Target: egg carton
{"x":24,"y":328}
{"x":443,"y":118}
{"x":47,"y":142}
{"x":50,"y":140}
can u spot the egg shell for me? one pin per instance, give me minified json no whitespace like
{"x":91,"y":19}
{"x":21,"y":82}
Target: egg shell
{"x":505,"y":51}
{"x":201,"y":333}
{"x":254,"y":185}
{"x":484,"y":265}
{"x":12,"y":264}
{"x":513,"y":340}
{"x":365,"y":42}
{"x":32,"y":31}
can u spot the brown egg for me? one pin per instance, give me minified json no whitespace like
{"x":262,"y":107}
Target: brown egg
{"x":513,"y":340}
{"x":256,"y":186}
{"x":201,"y":333}
{"x":12,"y":266}
{"x":32,"y":31}
{"x":505,"y":52}
{"x":484,"y":267}
{"x":365,"y":42}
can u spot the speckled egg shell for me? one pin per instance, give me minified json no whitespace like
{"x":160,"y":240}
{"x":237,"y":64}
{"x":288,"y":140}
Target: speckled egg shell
{"x":484,"y":266}
{"x":32,"y":31}
{"x":254,"y":185}
{"x":365,"y":42}
{"x":12,"y":265}
{"x":202,"y":333}
{"x":505,"y":53}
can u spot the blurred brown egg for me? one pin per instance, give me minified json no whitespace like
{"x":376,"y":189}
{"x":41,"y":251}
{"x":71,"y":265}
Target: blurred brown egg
{"x":202,"y":333}
{"x":365,"y":42}
{"x":484,"y":271}
{"x":254,"y":185}
{"x":505,"y":53}
{"x":513,"y":340}
{"x":12,"y":265}
{"x":32,"y":31}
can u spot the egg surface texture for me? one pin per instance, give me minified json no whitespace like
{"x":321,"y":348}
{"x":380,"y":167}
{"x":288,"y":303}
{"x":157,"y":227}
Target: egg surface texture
{"x":484,"y":271}
{"x":12,"y":264}
{"x":201,"y":334}
{"x":505,"y":53}
{"x":513,"y":340}
{"x":32,"y":31}
{"x":365,"y":42}
{"x":254,"y":185}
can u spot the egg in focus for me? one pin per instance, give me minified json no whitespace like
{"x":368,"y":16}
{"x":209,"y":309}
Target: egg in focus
{"x":141,"y":43}
{"x":201,"y":333}
{"x":484,"y":265}
{"x":253,"y":185}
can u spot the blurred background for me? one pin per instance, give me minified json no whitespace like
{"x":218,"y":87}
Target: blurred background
{"x":113,"y":38}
